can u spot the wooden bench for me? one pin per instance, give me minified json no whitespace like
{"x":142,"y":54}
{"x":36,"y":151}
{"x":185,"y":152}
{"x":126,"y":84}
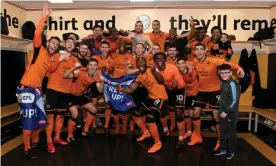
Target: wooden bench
{"x":265,"y":113}
{"x":9,"y":113}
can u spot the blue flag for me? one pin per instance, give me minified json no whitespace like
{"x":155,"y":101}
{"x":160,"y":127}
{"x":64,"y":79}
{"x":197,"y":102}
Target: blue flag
{"x":32,"y":110}
{"x":118,"y":100}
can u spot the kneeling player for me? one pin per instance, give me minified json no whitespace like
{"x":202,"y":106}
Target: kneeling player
{"x":85,"y":77}
{"x":152,"y":80}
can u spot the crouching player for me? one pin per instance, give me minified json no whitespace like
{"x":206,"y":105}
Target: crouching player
{"x":85,"y":77}
{"x":152,"y":81}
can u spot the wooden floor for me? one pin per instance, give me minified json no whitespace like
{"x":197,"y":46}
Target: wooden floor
{"x":259,"y":145}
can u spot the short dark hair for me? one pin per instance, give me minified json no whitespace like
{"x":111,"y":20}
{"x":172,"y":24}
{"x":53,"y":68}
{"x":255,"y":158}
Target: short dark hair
{"x":93,"y":60}
{"x":201,"y":28}
{"x":156,"y":21}
{"x":104,"y":42}
{"x":139,"y":22}
{"x":180,"y":59}
{"x":216,"y":27}
{"x":70,"y":38}
{"x":156,"y":45}
{"x":55,"y":37}
{"x":172,"y":45}
{"x":140,"y":44}
{"x":159,"y":53}
{"x":200,"y":44}
{"x":84,"y":43}
{"x":225,"y":35}
{"x":225,"y":67}
{"x":97,"y":26}
{"x":66,"y":35}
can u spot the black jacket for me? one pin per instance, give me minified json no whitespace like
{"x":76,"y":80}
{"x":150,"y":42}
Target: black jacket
{"x":229,"y":96}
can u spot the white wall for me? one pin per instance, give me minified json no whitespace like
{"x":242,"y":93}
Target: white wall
{"x":125,"y":19}
{"x":17,"y":18}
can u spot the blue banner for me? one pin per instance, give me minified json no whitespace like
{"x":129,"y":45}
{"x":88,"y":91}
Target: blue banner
{"x":32,"y":110}
{"x":118,"y":100}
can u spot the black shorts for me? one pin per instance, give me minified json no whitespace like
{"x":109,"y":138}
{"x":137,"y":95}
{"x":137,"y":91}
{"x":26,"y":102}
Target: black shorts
{"x":158,"y":104}
{"x":92,"y":91}
{"x":190,"y":101}
{"x":176,"y":98}
{"x":56,"y":100}
{"x":78,"y":100}
{"x":211,"y":98}
{"x":140,"y":96}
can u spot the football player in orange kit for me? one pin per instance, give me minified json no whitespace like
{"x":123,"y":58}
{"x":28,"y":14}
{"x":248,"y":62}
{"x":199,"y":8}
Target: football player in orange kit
{"x":190,"y":78}
{"x":175,"y":87}
{"x":57,"y":93}
{"x":153,"y":81}
{"x":31,"y":83}
{"x":157,"y":36}
{"x":124,"y":63}
{"x":85,"y":77}
{"x":105,"y":62}
{"x":213,"y":44}
{"x":115,"y":39}
{"x":209,"y":85}
{"x":201,"y":37}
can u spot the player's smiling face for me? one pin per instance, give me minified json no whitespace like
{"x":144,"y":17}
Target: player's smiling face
{"x":69,"y":45}
{"x":181,"y":65}
{"x":200,"y":52}
{"x":142,"y":65}
{"x":155,"y":49}
{"x":172,"y":52}
{"x":160,"y":61}
{"x":92,"y":67}
{"x":53,"y":46}
{"x":139,"y":27}
{"x":139,"y":49}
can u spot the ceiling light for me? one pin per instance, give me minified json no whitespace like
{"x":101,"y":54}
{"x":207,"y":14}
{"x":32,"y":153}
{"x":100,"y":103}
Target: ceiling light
{"x":61,"y":1}
{"x":141,"y":0}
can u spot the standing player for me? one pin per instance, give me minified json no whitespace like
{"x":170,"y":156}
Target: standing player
{"x":57,"y":94}
{"x":213,"y":44}
{"x":85,"y":77}
{"x":152,"y":80}
{"x":105,"y":62}
{"x":124,"y":64}
{"x":201,"y":37}
{"x":83,"y":50}
{"x":140,"y":37}
{"x":31,"y":83}
{"x":115,"y":39}
{"x":190,"y":78}
{"x":157,"y":36}
{"x":209,"y":84}
{"x":95,"y":40}
{"x":175,"y":87}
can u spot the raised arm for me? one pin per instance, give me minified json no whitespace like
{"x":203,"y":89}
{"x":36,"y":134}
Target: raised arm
{"x":192,"y":30}
{"x":236,"y":67}
{"x":37,"y":42}
{"x":70,"y":73}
